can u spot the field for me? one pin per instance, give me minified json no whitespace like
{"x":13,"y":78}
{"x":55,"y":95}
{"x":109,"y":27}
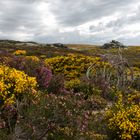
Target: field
{"x":78,"y":92}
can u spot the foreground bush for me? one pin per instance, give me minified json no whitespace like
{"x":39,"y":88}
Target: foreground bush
{"x":14,"y":84}
{"x":124,"y":119}
{"x":60,"y":117}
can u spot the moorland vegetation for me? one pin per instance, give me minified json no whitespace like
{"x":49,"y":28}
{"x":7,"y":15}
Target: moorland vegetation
{"x":68,"y":94}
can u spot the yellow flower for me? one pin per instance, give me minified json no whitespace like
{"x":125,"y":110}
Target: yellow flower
{"x":14,"y":83}
{"x":124,"y":120}
{"x":71,"y":65}
{"x":20,"y":52}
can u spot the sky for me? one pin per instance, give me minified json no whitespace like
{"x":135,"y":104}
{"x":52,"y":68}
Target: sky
{"x":71,"y":21}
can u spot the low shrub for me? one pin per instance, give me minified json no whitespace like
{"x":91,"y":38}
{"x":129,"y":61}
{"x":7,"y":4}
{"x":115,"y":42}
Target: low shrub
{"x":123,"y":120}
{"x":136,"y":83}
{"x":72,"y":65}
{"x":82,"y":85}
{"x":56,"y":84}
{"x":14,"y":84}
{"x":96,"y":102}
{"x":20,"y":52}
{"x":73,"y":84}
{"x":28,"y":64}
{"x":60,"y":117}
{"x":44,"y":76}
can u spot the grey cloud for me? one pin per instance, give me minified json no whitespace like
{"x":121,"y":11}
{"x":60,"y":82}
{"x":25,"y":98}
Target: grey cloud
{"x":117,"y":25}
{"x":122,"y":21}
{"x":22,"y":16}
{"x":98,"y":28}
{"x":15,"y":14}
{"x":66,"y":37}
{"x":72,"y":13}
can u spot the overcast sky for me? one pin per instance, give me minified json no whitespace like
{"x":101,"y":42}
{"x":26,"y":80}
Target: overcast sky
{"x":71,"y":21}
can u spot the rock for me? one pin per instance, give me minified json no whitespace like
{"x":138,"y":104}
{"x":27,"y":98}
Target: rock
{"x":113,"y":44}
{"x":59,"y":45}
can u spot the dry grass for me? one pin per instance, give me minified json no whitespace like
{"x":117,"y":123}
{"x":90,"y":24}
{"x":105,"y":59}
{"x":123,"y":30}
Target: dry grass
{"x":81,"y":46}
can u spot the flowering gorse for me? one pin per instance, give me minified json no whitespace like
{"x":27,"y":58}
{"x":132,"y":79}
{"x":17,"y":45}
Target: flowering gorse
{"x":13,"y":84}
{"x":124,"y":119}
{"x":72,"y":65}
{"x":20,"y":52}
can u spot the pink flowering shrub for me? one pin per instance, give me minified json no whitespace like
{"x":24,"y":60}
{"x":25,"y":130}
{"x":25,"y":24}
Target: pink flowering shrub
{"x":43,"y":75}
{"x":59,"y":117}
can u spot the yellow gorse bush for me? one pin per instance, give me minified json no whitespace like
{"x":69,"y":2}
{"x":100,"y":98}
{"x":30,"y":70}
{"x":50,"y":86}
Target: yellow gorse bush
{"x":136,"y":71}
{"x":31,"y":62}
{"x":13,"y":84}
{"x":20,"y":52}
{"x":71,"y":84}
{"x":124,"y":120}
{"x":72,"y":65}
{"x":32,"y":58}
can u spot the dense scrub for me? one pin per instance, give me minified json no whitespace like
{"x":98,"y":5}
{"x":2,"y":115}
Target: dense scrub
{"x":72,"y":66}
{"x":69,"y":95}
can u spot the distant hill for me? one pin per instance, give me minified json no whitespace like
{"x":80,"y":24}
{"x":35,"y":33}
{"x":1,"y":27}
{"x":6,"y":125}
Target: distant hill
{"x":132,"y":53}
{"x":31,"y":43}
